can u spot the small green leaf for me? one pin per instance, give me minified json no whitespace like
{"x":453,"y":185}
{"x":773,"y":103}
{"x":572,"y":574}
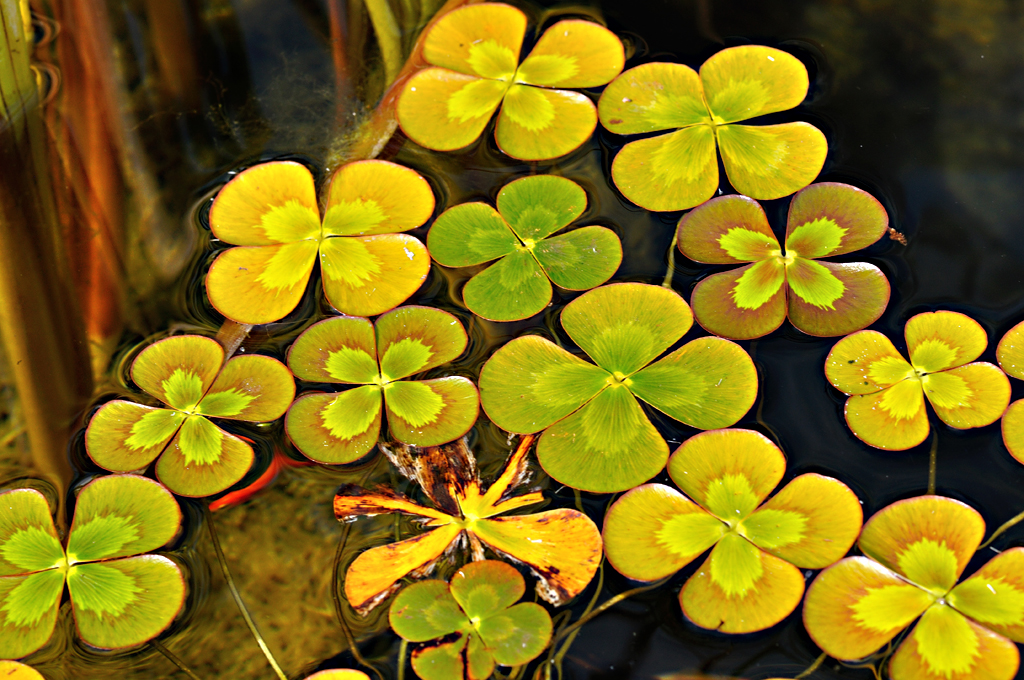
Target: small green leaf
{"x":426,"y":611}
{"x":431,"y":412}
{"x":513,"y":288}
{"x":486,"y":588}
{"x":517,"y":635}
{"x":442,"y":661}
{"x":124,"y":436}
{"x":531,"y":383}
{"x":608,"y":445}
{"x":813,"y":283}
{"x":178,"y":370}
{"x":341,"y":349}
{"x":708,"y":383}
{"x":580,"y":259}
{"x":539,"y":205}
{"x":857,"y":215}
{"x":126,"y":602}
{"x":624,"y":326}
{"x":121,"y":515}
{"x":414,"y":339}
{"x":470,"y":234}
{"x":335,"y":428}
{"x":208,"y":462}
{"x":28,"y":539}
{"x":252,"y":388}
{"x":28,"y":611}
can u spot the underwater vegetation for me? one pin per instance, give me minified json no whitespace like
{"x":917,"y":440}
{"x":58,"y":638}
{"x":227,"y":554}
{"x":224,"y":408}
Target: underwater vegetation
{"x":367,"y":376}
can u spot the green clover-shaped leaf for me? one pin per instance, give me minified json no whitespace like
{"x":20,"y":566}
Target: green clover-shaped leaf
{"x":820,"y":298}
{"x":519,"y":236}
{"x":915,"y":551}
{"x":751,"y":580}
{"x":188,"y":374}
{"x":342,"y":427}
{"x":596,"y":435}
{"x":473,"y":622}
{"x":366,"y":264}
{"x":120,"y":597}
{"x":886,"y":408}
{"x":474,"y":53}
{"x":679,"y":170}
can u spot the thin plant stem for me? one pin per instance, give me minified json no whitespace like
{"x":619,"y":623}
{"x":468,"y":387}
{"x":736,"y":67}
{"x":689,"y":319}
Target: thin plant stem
{"x":11,"y":436}
{"x":238,"y":597}
{"x":933,"y":462}
{"x":388,"y":37}
{"x":607,"y":604}
{"x":339,"y":611}
{"x":231,"y":336}
{"x":403,"y":649}
{"x":572,"y":636}
{"x":813,"y":667}
{"x":999,"y":532}
{"x":173,"y":659}
{"x":667,"y":283}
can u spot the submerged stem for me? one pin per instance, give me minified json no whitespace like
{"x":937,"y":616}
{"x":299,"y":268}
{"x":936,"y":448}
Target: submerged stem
{"x":667,"y":283}
{"x":572,"y":636}
{"x":607,"y":604}
{"x":238,"y":597}
{"x":403,"y":649}
{"x":999,"y":532}
{"x":813,"y":667}
{"x":173,"y":659}
{"x":933,"y":456}
{"x":389,"y":37}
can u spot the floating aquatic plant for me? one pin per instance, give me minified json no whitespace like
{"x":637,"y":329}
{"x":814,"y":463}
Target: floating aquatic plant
{"x":561,"y":547}
{"x":119,"y":596}
{"x":519,"y":236}
{"x":915,"y":551}
{"x":751,"y":580}
{"x":475,"y":69}
{"x":343,"y":427}
{"x":886,"y":407}
{"x":596,"y":436}
{"x":188,"y":374}
{"x":12,"y":670}
{"x":679,"y":170}
{"x":820,"y":298}
{"x":1010,"y":354}
{"x":471,"y":623}
{"x":270,"y":212}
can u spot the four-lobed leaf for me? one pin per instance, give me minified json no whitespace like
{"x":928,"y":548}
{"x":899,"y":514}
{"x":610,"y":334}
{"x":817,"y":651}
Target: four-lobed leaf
{"x":886,"y":408}
{"x":679,"y":170}
{"x":820,"y":298}
{"x":1010,"y":354}
{"x":519,"y":239}
{"x":366,"y":264}
{"x":470,"y":624}
{"x":751,"y":580}
{"x":561,"y":547}
{"x":596,"y":435}
{"x":120,"y":597}
{"x":915,"y":551}
{"x":475,"y":71}
{"x":188,"y":374}
{"x":379,"y":357}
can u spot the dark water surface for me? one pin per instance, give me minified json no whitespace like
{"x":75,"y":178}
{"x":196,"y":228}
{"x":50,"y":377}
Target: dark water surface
{"x":923,"y":106}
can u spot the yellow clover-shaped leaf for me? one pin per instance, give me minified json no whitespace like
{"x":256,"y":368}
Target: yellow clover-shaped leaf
{"x":188,"y":374}
{"x":119,"y":596}
{"x":1010,"y":354}
{"x":820,"y":298}
{"x":475,"y":69}
{"x":915,"y":551}
{"x":751,"y":580}
{"x":886,"y":408}
{"x":270,"y":212}
{"x":679,"y":170}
